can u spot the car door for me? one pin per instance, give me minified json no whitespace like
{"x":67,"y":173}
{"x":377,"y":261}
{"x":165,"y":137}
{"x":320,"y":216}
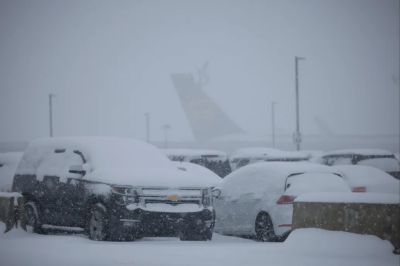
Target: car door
{"x":225,"y":207}
{"x":71,"y":203}
{"x":71,"y":190}
{"x":245,"y":207}
{"x":221,"y":210}
{"x":48,"y":187}
{"x":62,"y":199}
{"x":229,"y":205}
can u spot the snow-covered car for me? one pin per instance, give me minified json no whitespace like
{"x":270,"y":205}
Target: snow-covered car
{"x":362,"y":178}
{"x":8,"y":164}
{"x":114,"y":189}
{"x":381,"y":159}
{"x":216,"y":161}
{"x":256,"y":200}
{"x":247,"y":156}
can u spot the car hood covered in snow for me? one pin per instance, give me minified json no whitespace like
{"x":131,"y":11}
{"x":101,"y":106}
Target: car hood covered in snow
{"x":147,"y":177}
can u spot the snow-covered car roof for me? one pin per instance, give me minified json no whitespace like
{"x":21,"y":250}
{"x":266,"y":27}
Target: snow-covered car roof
{"x":268,"y":176}
{"x":112,"y":160}
{"x":268,"y":153}
{"x":372,"y":178}
{"x":190,"y":154}
{"x":10,"y":157}
{"x":284,"y":169}
{"x":8,"y":164}
{"x":365,"y":152}
{"x":381,"y":159}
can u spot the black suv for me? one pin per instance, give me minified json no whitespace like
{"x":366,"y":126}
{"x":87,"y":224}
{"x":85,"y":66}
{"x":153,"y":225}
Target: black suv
{"x":113,"y":189}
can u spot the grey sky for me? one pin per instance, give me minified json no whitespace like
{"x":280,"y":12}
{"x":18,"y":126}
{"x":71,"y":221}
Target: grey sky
{"x":109,"y":62}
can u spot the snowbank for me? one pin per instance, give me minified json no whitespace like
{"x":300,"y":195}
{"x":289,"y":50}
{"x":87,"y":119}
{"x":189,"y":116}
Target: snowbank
{"x":336,"y":244}
{"x":308,"y":247}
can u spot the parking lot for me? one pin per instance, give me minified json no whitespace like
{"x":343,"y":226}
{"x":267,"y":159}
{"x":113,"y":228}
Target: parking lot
{"x":303,"y":247}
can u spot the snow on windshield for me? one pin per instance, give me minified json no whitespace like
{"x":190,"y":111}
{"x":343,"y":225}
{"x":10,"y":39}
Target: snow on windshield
{"x":386,"y":164}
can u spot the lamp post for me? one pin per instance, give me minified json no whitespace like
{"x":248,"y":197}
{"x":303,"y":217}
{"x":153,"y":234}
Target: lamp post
{"x":51,"y":96}
{"x":273,"y":123}
{"x":166,"y":127}
{"x":297,"y":134}
{"x":147,"y":118}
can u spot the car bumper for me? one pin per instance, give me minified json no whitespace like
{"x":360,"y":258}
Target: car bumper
{"x":146,"y":222}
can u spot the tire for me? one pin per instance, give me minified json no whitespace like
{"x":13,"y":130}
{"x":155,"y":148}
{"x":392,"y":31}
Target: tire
{"x":264,"y":228}
{"x":97,"y":224}
{"x":32,"y":218}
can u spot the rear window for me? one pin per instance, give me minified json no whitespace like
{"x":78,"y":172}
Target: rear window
{"x":315,"y":182}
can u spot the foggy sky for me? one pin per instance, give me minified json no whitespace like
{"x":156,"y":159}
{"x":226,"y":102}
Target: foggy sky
{"x":109,"y":62}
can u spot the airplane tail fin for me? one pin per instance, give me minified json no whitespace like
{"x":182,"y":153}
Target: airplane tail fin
{"x":207,"y":120}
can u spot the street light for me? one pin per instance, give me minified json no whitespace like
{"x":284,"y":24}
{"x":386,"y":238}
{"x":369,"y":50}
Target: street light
{"x":273,"y":123}
{"x":147,"y":118}
{"x":51,"y":96}
{"x":297,"y":134}
{"x":166,"y":127}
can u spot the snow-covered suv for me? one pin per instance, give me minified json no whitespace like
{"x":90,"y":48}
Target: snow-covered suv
{"x":114,"y":189}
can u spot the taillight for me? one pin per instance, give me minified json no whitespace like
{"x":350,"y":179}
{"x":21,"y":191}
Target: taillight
{"x":359,"y":189}
{"x":285,"y":199}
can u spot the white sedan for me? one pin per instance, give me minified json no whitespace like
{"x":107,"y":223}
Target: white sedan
{"x":256,"y":200}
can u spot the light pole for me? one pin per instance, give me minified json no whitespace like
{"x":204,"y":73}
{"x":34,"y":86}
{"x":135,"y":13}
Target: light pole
{"x":51,"y":96}
{"x":147,"y":118}
{"x":166,"y":127}
{"x":273,"y":123}
{"x":297,"y":134}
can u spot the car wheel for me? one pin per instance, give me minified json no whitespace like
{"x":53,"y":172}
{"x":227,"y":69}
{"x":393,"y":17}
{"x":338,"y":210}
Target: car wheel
{"x":32,"y":220}
{"x":264,"y":228}
{"x":98,"y":222}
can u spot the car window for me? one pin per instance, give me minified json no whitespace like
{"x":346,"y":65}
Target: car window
{"x":51,"y":182}
{"x":338,"y":160}
{"x":315,"y":182}
{"x":58,"y":163}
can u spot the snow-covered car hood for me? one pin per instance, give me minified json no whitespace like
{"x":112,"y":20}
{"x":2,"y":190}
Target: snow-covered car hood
{"x":154,"y":177}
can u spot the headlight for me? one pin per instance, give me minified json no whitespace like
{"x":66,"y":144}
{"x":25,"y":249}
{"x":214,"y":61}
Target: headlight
{"x":125,"y":195}
{"x":206,"y":197}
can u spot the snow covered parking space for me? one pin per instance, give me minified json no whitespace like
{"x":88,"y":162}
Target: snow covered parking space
{"x":303,"y":247}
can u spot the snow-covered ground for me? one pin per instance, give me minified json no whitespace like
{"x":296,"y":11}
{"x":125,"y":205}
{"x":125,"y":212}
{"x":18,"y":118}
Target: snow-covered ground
{"x":306,"y":247}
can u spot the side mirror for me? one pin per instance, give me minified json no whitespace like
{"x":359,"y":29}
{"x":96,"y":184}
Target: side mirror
{"x":87,"y":167}
{"x":216,"y":192}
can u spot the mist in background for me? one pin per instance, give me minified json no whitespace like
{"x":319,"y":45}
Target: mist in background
{"x":109,"y":62}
